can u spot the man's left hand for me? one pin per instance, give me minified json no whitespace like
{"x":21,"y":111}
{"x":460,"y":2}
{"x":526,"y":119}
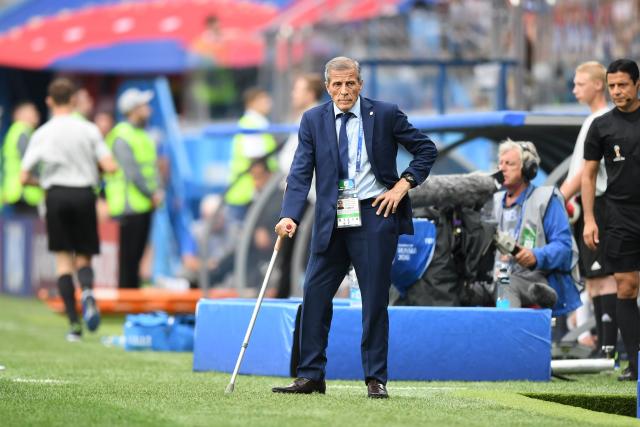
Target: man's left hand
{"x":526,"y":258}
{"x":389,"y":200}
{"x":27,"y":179}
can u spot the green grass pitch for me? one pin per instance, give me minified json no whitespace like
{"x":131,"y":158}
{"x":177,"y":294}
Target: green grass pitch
{"x":49,"y":382}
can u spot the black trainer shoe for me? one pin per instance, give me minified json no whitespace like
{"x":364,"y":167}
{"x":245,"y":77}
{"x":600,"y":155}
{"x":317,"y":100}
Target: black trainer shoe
{"x":75,"y":333}
{"x":90,"y":312}
{"x":628,"y":375}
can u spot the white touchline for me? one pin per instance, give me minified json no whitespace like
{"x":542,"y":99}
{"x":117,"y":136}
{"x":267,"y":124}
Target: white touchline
{"x":392,"y":387}
{"x":38,"y":381}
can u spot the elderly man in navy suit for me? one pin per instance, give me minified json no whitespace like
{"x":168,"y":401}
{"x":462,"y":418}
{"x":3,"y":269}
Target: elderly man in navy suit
{"x":351,"y":143}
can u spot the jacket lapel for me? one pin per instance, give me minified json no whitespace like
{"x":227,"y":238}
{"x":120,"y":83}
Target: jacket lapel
{"x":329,"y":124}
{"x":368,"y":116}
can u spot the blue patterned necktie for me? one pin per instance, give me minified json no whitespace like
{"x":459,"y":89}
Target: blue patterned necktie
{"x":343,"y":145}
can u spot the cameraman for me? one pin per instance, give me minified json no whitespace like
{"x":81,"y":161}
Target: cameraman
{"x":540,"y":263}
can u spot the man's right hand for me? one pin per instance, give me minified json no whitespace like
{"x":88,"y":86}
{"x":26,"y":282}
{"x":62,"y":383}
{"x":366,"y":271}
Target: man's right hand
{"x":590,"y":234}
{"x":286,"y":227}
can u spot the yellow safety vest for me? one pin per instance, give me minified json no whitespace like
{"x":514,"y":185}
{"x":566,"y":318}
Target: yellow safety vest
{"x":12,"y":161}
{"x":122,"y":194}
{"x":241,"y":193}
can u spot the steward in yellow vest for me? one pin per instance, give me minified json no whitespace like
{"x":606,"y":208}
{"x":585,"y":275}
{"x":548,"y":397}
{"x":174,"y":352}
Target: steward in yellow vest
{"x":25,"y":199}
{"x":131,"y":189}
{"x":245,"y":146}
{"x":134,"y":190}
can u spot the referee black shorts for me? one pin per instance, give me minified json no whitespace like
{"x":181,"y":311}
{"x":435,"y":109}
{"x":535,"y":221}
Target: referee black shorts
{"x":72,"y":225}
{"x":622,"y":247}
{"x":592,"y":263}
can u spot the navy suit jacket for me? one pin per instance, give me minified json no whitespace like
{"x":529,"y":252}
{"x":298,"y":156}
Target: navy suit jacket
{"x":384,"y":127}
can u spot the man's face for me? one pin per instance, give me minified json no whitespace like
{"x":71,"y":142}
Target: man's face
{"x":83,"y":102}
{"x":104,"y":121}
{"x":585,"y":88}
{"x":29,"y":115}
{"x":623,"y":92}
{"x":301,"y":96}
{"x":262,"y":104}
{"x":260,"y":174}
{"x":141,"y":114}
{"x":511,"y":167}
{"x":344,"y":88}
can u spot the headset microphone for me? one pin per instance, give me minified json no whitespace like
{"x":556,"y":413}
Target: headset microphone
{"x":498,"y":176}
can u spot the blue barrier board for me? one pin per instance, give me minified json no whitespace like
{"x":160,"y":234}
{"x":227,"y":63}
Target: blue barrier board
{"x":425,"y":343}
{"x":220,"y":329}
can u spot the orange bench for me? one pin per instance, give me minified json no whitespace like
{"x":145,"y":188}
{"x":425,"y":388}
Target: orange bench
{"x":121,"y":301}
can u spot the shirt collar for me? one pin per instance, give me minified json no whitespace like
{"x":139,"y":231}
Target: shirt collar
{"x":522,"y":197}
{"x":355,"y":110}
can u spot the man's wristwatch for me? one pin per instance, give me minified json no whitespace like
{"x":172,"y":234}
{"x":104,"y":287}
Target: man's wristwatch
{"x":410,"y":179}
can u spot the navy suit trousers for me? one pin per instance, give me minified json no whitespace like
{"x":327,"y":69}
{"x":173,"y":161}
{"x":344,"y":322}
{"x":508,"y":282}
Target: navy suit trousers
{"x":371,"y":249}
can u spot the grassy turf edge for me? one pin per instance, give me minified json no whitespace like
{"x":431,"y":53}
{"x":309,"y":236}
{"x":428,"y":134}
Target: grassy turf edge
{"x":550,"y":408}
{"x":611,"y":404}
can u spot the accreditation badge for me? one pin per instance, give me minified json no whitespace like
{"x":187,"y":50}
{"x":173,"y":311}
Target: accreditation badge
{"x":348,"y":205}
{"x":528,"y":236}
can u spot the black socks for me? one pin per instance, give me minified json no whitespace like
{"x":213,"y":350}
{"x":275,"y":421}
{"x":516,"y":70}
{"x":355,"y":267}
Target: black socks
{"x":67,"y":292}
{"x":597,"y":313}
{"x":629,"y":323}
{"x":609,"y":320}
{"x":85,"y":277}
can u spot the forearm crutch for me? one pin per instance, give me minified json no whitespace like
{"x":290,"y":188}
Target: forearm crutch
{"x":245,"y":343}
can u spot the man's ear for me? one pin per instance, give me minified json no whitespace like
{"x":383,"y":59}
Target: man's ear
{"x":600,"y":85}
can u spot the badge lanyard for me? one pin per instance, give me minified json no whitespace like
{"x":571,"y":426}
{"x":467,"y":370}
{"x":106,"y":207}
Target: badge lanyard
{"x":518,"y":227}
{"x":359,"y":152}
{"x":348,"y":209}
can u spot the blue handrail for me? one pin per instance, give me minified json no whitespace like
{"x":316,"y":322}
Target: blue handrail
{"x":442,"y":66}
{"x":426,"y":123}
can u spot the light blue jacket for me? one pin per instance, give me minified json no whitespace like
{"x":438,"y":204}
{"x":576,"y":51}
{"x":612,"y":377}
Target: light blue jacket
{"x":554,"y":252}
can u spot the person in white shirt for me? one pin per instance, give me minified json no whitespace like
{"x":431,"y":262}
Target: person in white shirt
{"x":306,"y":93}
{"x":68,"y":151}
{"x":589,"y":88}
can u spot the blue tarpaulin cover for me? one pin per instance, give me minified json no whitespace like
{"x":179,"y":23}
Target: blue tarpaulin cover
{"x":425,"y":343}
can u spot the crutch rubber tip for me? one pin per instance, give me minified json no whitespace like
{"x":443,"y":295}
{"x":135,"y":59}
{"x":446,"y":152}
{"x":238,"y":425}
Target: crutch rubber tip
{"x":229,"y":389}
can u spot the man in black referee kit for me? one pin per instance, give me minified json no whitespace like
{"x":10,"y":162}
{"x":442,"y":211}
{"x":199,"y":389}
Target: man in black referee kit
{"x":616,"y":137}
{"x":67,"y":151}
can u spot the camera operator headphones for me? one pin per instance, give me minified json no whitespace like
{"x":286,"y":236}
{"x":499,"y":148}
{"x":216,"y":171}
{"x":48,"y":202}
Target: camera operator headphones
{"x":530,"y":161}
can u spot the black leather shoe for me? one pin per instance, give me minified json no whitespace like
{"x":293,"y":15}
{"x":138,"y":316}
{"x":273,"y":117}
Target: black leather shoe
{"x":628,"y":375}
{"x":376,"y":390}
{"x":302,"y":386}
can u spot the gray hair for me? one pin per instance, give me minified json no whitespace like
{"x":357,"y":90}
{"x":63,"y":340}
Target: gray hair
{"x":526,"y":150}
{"x":341,"y":63}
